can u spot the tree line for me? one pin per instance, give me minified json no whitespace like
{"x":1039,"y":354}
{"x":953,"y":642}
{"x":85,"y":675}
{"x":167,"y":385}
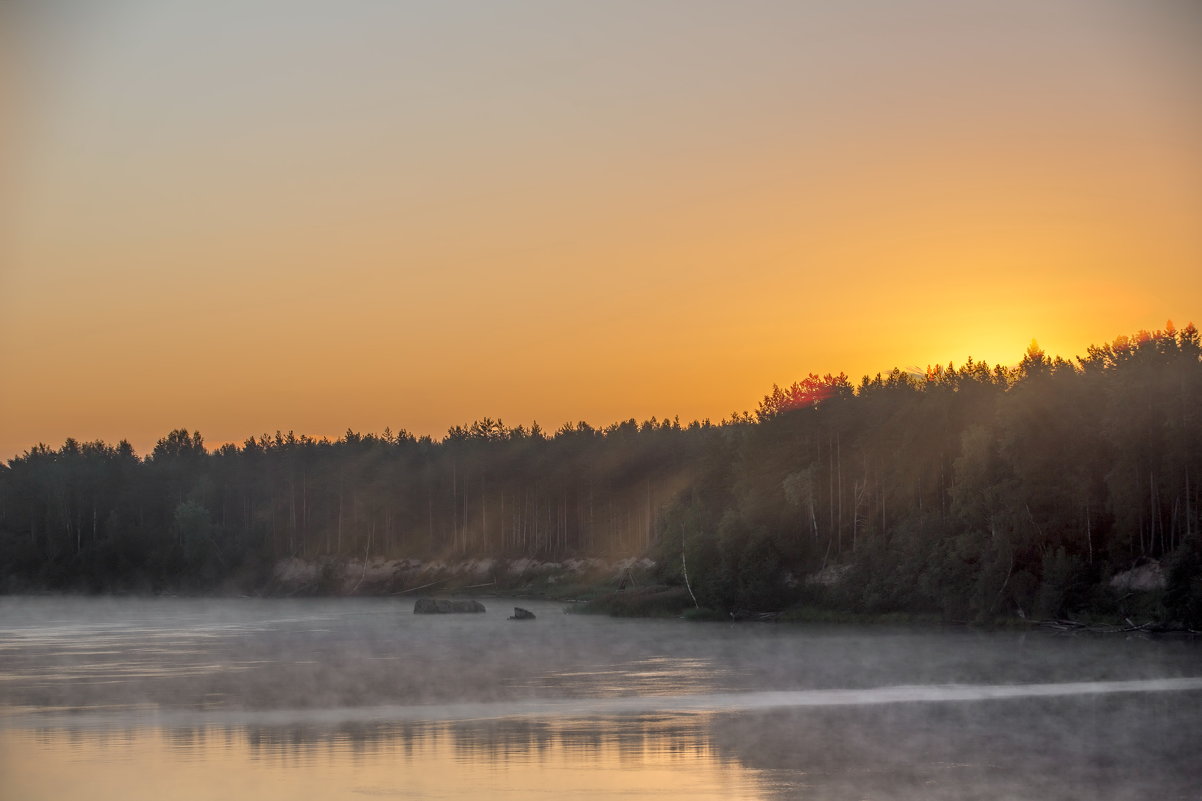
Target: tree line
{"x":969,"y":491}
{"x":95,"y":516}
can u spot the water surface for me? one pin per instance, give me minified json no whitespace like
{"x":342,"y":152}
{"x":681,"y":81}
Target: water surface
{"x":352,"y":698}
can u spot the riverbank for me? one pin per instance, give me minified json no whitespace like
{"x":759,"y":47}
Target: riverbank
{"x":632,"y":587}
{"x":582,"y":578}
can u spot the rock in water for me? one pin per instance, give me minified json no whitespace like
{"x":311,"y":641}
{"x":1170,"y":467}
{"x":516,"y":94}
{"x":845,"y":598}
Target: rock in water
{"x":438,"y":606}
{"x":522,"y":614}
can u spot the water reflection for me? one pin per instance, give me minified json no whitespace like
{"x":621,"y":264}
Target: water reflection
{"x":668,"y":756}
{"x":630,"y":739}
{"x":189,"y":699}
{"x":1102,"y":747}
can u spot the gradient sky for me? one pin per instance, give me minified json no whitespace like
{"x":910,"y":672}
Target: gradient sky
{"x":239,"y":217}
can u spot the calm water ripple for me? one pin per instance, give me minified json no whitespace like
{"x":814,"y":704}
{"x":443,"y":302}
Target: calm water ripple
{"x":353,"y":698}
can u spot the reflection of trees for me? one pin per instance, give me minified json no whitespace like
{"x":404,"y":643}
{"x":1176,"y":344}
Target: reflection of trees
{"x":1102,"y":747}
{"x":269,"y":742}
{"x":630,"y":739}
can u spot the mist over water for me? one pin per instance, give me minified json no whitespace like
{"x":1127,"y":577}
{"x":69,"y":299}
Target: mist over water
{"x":341,"y":698}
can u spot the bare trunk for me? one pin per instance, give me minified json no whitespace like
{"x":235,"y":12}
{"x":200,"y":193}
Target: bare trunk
{"x":684,"y":569}
{"x":1088,"y":534}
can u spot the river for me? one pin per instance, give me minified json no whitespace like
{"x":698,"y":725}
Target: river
{"x":264,"y":699}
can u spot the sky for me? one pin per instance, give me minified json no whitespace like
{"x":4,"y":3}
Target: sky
{"x":242,"y":217}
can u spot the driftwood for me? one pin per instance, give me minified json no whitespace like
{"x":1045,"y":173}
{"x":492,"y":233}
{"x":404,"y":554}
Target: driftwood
{"x":1074,"y":626}
{"x":742,"y":615}
{"x":422,"y":587}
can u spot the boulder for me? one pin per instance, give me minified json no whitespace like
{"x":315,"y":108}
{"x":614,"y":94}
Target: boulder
{"x":439,"y":606}
{"x":522,"y":614}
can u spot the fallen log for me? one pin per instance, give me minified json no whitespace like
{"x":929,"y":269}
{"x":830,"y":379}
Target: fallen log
{"x":1131,"y":627}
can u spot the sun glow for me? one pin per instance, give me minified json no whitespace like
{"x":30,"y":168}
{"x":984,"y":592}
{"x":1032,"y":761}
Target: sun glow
{"x":573,"y":215}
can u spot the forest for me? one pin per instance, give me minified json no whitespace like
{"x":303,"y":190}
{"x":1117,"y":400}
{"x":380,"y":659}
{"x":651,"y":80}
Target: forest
{"x":971,"y":492}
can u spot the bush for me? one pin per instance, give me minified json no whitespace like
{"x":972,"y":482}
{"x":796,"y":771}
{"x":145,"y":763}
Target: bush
{"x":1061,"y":585}
{"x":647,"y":602}
{"x":1183,"y":593}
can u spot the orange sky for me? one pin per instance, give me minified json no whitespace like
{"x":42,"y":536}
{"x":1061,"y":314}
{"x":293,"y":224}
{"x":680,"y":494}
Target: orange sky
{"x":297,"y":215}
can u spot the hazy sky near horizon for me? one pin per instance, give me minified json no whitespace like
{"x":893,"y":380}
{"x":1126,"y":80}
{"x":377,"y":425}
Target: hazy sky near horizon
{"x":239,"y":217}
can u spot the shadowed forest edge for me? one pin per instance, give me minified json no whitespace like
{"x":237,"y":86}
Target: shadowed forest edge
{"x":1049,"y":489}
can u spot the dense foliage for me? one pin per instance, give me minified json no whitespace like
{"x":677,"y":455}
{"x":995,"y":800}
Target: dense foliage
{"x":969,"y":491}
